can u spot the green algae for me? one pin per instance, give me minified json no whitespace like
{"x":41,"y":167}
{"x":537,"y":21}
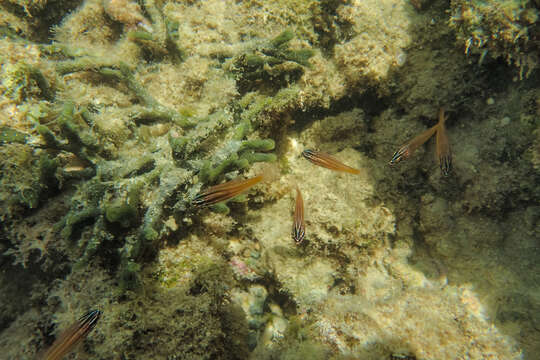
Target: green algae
{"x":74,"y":220}
{"x":79,"y":141}
{"x":21,"y":78}
{"x":273,"y":65}
{"x":9,"y":135}
{"x":121,"y":212}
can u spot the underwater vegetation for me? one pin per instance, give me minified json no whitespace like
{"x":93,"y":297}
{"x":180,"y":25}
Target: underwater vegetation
{"x":505,"y":29}
{"x":271,"y":64}
{"x":156,"y":164}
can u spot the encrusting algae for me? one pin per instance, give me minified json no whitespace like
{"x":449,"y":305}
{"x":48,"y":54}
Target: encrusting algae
{"x":136,"y":139}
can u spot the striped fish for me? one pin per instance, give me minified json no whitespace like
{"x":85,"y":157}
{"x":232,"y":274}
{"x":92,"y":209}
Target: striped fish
{"x":225,"y":191}
{"x":70,"y":337}
{"x":325,"y":160}
{"x":299,"y":226}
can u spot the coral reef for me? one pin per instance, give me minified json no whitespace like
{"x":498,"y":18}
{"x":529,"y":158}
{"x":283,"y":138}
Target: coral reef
{"x":370,"y":50}
{"x":272,"y":63}
{"x":193,"y":321}
{"x":116,"y":114}
{"x":499,"y":29}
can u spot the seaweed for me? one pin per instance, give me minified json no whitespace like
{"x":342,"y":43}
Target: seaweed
{"x":77,"y":140}
{"x":152,"y":109}
{"x":271,"y":65}
{"x":23,"y":80}
{"x":10,"y":135}
{"x":162,"y":41}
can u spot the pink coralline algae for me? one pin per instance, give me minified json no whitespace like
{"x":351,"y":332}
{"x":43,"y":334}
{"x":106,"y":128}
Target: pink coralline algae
{"x":242,"y":270}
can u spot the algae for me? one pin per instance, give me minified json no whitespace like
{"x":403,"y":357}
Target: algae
{"x":498,"y":29}
{"x":115,"y":114}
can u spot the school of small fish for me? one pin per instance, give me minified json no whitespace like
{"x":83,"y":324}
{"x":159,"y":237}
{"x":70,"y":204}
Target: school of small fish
{"x":74,"y":334}
{"x":230,"y":189}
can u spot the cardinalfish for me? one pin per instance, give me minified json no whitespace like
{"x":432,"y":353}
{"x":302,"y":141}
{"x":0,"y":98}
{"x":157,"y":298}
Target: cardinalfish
{"x":70,"y":337}
{"x":299,"y":226}
{"x":443,"y":146}
{"x":325,"y":160}
{"x":225,"y":191}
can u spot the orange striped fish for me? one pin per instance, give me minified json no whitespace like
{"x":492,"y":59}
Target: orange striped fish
{"x":299,"y":226}
{"x":409,"y":148}
{"x":225,"y":191}
{"x":325,"y":160}
{"x":443,"y":146}
{"x":70,"y":337}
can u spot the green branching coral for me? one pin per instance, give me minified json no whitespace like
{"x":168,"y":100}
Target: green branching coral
{"x":118,"y":213}
{"x":108,"y":208}
{"x":139,"y":224}
{"x":176,"y":183}
{"x":273,"y":64}
{"x":79,"y":141}
{"x":202,"y":152}
{"x":121,"y":212}
{"x":152,"y":109}
{"x":76,"y":219}
{"x":237,"y":154}
{"x":162,"y":40}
